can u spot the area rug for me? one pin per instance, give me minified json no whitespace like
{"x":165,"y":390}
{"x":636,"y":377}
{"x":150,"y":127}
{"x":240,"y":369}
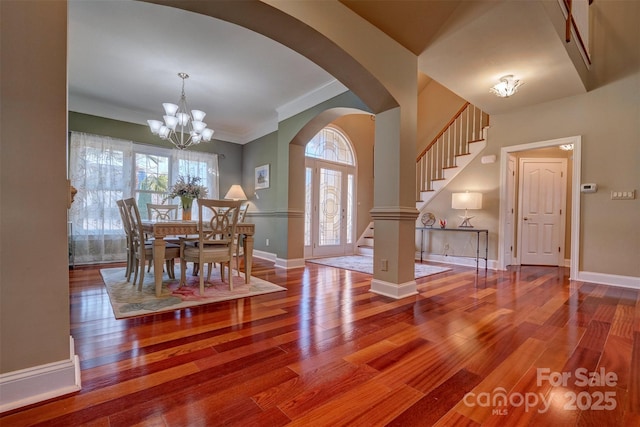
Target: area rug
{"x":364,"y":264}
{"x":126,"y":301}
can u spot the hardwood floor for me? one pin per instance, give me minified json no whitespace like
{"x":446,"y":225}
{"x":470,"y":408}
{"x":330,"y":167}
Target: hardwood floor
{"x":468,"y":350}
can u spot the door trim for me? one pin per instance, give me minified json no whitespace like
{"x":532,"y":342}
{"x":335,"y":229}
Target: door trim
{"x":575,"y":196}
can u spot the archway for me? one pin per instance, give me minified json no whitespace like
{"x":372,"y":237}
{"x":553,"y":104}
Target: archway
{"x":385,"y":79}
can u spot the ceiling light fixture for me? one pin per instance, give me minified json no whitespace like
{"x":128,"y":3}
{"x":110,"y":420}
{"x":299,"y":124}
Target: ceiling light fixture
{"x":507,"y":86}
{"x":178,"y":121}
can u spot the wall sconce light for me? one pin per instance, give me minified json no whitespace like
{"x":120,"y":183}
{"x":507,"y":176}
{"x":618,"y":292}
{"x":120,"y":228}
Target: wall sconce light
{"x":507,"y":86}
{"x":235,"y":193}
{"x":466,"y":201}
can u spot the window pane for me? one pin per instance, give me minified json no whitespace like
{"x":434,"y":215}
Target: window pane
{"x":151,"y":180}
{"x":350,"y":209}
{"x":307,"y":207}
{"x":330,"y":209}
{"x":330,"y":144}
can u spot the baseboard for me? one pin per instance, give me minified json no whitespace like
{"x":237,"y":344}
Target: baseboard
{"x":454,"y":260}
{"x":290,"y":263}
{"x":393,"y":290}
{"x":609,"y":279}
{"x":40,"y":383}
{"x":279,"y":262}
{"x":269,"y":256}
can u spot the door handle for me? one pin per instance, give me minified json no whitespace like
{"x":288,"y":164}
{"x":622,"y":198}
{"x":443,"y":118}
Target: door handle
{"x":525,"y":218}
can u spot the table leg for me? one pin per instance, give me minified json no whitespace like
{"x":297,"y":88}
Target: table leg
{"x":486,"y":250}
{"x":477,"y":251}
{"x":158,"y":263}
{"x":247,"y":244}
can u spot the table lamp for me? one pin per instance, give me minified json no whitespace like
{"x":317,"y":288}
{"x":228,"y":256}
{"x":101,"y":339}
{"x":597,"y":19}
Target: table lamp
{"x":466,"y":201}
{"x":235,"y":193}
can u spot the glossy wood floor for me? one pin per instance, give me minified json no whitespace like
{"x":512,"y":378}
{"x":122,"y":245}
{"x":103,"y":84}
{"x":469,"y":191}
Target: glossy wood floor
{"x":468,"y":350}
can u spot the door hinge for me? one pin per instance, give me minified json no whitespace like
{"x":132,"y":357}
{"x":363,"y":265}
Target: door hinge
{"x":558,"y":249}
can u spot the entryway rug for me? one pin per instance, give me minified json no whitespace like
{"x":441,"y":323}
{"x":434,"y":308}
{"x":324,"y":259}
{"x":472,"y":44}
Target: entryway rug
{"x":364,"y":264}
{"x":126,"y":301}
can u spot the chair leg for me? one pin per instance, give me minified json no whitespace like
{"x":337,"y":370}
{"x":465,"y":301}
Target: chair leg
{"x":210,"y":265}
{"x":135,"y":274}
{"x":230,"y":276}
{"x":141,"y":278}
{"x":201,"y":284}
{"x":183,"y":272}
{"x":238,"y":259}
{"x":131,"y":262}
{"x":170,"y":269}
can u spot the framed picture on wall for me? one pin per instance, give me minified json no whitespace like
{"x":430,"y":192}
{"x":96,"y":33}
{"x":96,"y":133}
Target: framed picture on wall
{"x":262,"y":177}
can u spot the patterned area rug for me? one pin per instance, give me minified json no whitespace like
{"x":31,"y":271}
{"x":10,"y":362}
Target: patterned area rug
{"x":126,"y":301}
{"x":364,"y":264}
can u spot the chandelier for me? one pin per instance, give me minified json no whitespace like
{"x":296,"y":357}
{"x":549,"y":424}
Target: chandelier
{"x":181,"y":127}
{"x":507,"y":86}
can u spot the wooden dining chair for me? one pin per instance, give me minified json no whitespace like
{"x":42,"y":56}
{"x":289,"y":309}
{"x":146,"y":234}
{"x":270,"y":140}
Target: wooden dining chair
{"x":143,"y":250}
{"x":159,"y":212}
{"x":215,"y":242}
{"x":126,"y":224}
{"x":237,"y":243}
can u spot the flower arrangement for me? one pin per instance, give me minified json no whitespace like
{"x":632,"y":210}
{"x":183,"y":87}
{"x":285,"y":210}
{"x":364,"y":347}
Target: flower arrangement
{"x":188,"y":187}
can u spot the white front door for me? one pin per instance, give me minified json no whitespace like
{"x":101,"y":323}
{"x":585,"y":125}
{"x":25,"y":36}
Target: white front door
{"x":331,"y":203}
{"x":542,"y":187}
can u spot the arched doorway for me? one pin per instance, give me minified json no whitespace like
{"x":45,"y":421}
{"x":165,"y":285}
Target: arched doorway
{"x":330,"y":183}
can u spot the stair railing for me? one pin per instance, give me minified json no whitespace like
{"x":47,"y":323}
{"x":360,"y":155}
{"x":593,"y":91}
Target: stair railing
{"x":465,"y":127}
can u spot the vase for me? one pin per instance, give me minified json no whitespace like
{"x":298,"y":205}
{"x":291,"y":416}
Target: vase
{"x":187,"y":203}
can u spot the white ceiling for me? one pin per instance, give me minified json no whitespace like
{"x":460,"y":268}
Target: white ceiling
{"x":124,"y":57}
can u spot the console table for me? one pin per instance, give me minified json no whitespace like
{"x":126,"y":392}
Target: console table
{"x":478,"y":231}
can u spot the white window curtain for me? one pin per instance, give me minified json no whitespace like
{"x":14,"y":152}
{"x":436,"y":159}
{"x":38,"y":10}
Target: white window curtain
{"x":102,"y":170}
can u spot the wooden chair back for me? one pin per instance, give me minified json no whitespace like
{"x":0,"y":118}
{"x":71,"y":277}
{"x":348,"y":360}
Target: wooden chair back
{"x":137,"y":235}
{"x":158,"y":212}
{"x":221,"y":226}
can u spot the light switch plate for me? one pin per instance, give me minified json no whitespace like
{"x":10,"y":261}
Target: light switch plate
{"x":623,"y":195}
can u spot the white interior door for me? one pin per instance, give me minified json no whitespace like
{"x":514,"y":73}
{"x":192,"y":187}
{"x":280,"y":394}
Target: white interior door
{"x":542,"y":188}
{"x":331,"y":201}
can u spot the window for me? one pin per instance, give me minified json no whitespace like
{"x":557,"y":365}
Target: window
{"x":105,"y":169}
{"x":332,"y":145}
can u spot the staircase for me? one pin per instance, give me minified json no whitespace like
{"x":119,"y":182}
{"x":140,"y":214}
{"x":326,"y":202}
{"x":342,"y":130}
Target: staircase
{"x":457,"y":144}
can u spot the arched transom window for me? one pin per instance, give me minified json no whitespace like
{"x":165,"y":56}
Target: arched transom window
{"x":330,"y":144}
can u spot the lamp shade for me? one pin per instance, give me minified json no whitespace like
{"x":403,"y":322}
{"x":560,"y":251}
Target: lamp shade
{"x":466,"y":201}
{"x":235,"y":193}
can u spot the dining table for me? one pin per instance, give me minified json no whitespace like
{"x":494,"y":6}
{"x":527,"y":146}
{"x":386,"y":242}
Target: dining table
{"x":161,"y":229}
